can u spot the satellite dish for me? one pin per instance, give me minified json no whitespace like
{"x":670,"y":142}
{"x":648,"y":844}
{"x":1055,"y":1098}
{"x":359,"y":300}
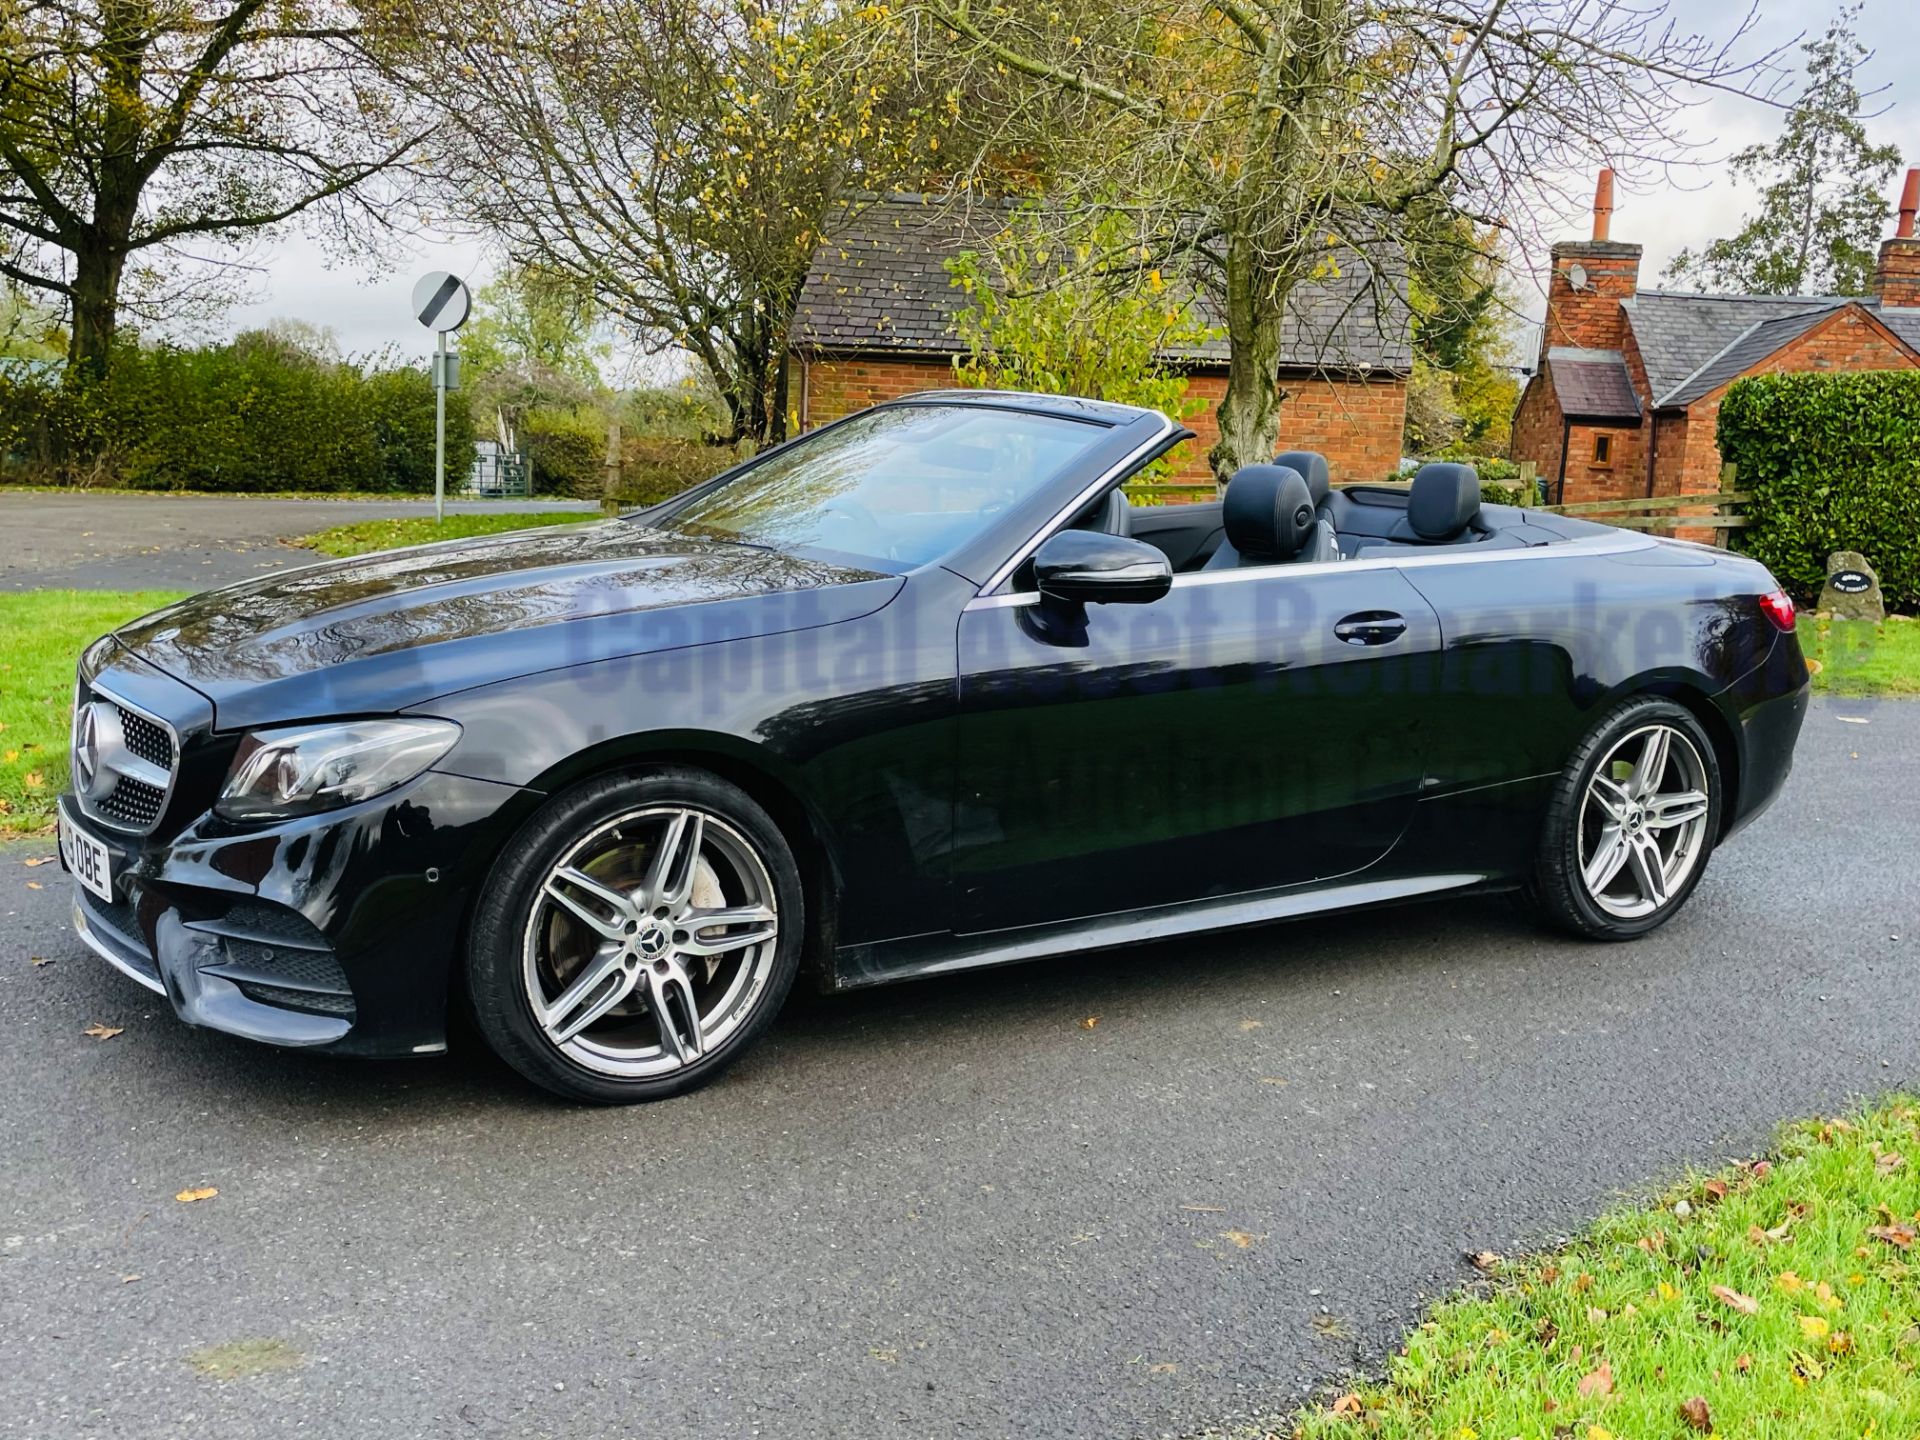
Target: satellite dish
{"x":1576,"y":276}
{"x":441,"y":301}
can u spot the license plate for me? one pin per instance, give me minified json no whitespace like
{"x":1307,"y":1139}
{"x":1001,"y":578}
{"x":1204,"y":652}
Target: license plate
{"x":89,"y":861}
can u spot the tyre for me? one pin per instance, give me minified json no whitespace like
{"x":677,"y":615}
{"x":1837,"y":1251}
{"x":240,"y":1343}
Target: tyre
{"x":1630,"y":824}
{"x":636,"y":937}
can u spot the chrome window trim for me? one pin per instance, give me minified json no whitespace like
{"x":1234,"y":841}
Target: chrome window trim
{"x":101,"y":692}
{"x":1596,"y":545}
{"x":1077,"y":504}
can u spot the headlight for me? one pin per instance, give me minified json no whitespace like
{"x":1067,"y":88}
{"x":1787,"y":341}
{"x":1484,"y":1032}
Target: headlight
{"x":278,"y":774}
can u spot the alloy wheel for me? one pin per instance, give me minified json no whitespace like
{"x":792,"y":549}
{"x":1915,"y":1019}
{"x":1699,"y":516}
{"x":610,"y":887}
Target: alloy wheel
{"x":1643,"y":821}
{"x":650,"y":942}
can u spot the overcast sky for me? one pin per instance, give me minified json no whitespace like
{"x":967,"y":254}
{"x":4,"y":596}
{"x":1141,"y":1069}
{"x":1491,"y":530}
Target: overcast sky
{"x":370,"y":312}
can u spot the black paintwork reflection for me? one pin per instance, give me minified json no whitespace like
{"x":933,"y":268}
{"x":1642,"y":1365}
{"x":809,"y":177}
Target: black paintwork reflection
{"x":1219,"y":740}
{"x":384,"y":631}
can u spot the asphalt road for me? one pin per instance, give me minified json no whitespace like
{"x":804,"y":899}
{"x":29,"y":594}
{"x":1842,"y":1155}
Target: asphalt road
{"x":162,"y":542}
{"x":944,"y":1209}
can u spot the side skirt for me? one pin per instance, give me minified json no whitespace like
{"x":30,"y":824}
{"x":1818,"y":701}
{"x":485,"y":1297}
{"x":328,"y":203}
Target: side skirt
{"x":916,"y":956}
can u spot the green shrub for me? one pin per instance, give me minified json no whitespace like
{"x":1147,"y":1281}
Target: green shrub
{"x":566,"y":450}
{"x":257,"y":413}
{"x":1833,"y":462}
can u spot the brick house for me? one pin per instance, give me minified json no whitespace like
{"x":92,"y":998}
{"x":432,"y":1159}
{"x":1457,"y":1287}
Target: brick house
{"x":1626,"y":396}
{"x":874,"y":321}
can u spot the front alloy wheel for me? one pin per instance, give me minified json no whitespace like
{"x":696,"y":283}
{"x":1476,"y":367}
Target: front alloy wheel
{"x":1631,"y":822}
{"x":655,"y":925}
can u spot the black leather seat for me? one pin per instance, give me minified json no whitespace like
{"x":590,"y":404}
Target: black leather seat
{"x":1443,"y":508}
{"x":1269,"y":518}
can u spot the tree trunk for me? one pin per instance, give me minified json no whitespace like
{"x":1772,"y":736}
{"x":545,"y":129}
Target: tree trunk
{"x":96,"y":303}
{"x":1249,"y":413}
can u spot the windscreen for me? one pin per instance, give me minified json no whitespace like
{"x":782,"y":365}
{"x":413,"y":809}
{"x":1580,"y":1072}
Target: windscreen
{"x":899,"y":486}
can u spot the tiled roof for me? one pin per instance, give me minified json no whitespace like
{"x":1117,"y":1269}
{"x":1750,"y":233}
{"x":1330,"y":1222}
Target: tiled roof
{"x":1678,"y":333}
{"x":879,"y":283}
{"x":1744,"y":351}
{"x":1903,"y":320}
{"x":1593,"y":384}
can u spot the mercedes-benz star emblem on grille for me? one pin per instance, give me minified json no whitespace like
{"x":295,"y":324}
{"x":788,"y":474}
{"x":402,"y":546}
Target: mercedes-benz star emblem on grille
{"x":99,"y":749}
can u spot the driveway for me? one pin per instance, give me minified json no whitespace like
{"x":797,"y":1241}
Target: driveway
{"x":950,"y":1208}
{"x":167,"y":542}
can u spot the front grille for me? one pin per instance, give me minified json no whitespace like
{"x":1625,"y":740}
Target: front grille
{"x":149,"y":741}
{"x":123,"y":801}
{"x":135,"y":804}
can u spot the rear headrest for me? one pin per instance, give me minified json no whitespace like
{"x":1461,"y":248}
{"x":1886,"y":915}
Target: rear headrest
{"x":1312,"y":466}
{"x":1268,"y":511}
{"x":1444,"y":500}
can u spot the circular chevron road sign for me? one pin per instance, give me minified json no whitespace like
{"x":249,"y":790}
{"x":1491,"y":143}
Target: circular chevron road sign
{"x":442,"y":301}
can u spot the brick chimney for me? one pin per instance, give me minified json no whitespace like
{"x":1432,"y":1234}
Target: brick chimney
{"x":1590,"y":279}
{"x":1897,"y":280}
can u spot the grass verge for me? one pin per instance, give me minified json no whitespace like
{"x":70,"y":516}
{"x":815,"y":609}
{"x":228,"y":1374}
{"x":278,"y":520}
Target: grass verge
{"x":1857,"y":657}
{"x":1776,"y":1299}
{"x":368,"y":536}
{"x":42,"y":633}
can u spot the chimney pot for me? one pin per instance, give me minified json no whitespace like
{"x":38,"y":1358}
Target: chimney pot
{"x":1909,"y":203}
{"x":1603,"y":202}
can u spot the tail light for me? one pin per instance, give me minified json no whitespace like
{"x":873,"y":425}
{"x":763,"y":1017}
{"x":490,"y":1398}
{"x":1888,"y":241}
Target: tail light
{"x":1779,"y":609}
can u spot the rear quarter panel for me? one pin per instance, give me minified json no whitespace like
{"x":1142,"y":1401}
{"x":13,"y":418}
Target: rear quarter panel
{"x":1533,"y":648}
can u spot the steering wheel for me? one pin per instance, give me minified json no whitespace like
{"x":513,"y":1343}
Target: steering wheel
{"x":863,"y":518}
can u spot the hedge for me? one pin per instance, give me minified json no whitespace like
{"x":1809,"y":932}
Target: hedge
{"x":257,"y":413}
{"x":1833,"y":462}
{"x":568,"y":452}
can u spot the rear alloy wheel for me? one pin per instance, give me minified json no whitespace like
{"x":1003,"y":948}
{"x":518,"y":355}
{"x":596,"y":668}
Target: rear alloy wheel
{"x":647,"y":929}
{"x":1631,"y":823}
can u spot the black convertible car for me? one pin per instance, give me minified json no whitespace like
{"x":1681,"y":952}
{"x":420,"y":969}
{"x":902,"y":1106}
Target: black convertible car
{"x":915,"y":692}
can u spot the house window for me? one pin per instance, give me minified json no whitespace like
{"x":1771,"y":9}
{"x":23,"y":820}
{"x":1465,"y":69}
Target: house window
{"x":1603,"y":450}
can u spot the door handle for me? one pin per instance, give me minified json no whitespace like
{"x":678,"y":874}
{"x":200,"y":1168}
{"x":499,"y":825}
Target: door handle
{"x":1371,"y":627}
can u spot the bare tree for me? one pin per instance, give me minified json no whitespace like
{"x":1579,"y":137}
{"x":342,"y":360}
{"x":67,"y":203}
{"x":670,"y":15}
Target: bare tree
{"x":130,"y":128}
{"x":1256,"y":143}
{"x":681,"y":160}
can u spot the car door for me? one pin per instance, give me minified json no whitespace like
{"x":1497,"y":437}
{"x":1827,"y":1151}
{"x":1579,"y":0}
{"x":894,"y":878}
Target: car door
{"x":1251,"y":729}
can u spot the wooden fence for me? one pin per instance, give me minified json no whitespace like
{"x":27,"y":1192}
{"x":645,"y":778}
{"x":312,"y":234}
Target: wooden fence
{"x":1710,"y":514}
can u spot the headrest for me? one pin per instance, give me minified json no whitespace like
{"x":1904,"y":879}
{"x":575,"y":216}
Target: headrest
{"x":1312,"y":466}
{"x":1268,"y":511}
{"x":1444,"y":500}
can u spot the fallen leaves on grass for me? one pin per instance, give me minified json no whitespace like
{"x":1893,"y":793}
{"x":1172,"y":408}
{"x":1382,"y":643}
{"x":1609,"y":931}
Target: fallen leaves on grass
{"x":1732,"y":1298}
{"x":1347,"y":1404}
{"x":1897,"y":1235}
{"x":1487,"y":1261}
{"x":1888,"y":1161}
{"x":103,"y":1032}
{"x":1695,"y":1412}
{"x":1597,"y":1381}
{"x":203,"y":1192}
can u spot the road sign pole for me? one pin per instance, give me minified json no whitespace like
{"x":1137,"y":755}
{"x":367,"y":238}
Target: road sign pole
{"x":441,"y":303}
{"x":440,"y":432}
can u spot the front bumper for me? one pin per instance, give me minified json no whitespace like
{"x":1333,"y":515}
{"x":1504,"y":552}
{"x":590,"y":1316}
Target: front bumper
{"x":335,"y":932}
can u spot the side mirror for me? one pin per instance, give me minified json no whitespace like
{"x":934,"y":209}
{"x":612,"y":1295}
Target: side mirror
{"x":1090,"y":567}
